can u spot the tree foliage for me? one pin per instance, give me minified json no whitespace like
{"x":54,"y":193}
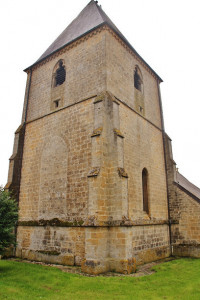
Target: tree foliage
{"x":8,"y":219}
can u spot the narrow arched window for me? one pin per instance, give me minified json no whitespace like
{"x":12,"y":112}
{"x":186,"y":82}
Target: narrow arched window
{"x":57,"y":85}
{"x":145,"y":190}
{"x":138,"y":82}
{"x":60,"y":74}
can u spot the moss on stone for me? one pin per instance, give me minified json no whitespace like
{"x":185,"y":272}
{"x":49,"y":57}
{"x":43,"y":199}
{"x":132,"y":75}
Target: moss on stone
{"x":48,"y":252}
{"x":51,"y":222}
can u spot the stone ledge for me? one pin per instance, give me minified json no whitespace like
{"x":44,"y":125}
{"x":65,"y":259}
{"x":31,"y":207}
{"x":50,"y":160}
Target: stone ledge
{"x":97,"y":132}
{"x":118,"y":132}
{"x":122,"y":173}
{"x":52,"y":222}
{"x":94,"y":172}
{"x":99,"y":98}
{"x":91,"y":221}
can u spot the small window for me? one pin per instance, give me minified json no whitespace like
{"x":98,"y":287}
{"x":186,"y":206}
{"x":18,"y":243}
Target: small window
{"x":60,"y":74}
{"x":56,"y":103}
{"x":141,"y":109}
{"x":138,"y":82}
{"x":145,"y":190}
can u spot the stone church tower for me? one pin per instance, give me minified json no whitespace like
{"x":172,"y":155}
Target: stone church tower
{"x":92,"y":166}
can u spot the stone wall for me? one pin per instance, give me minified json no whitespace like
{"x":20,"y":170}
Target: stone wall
{"x":81,"y":186}
{"x":143,"y":148}
{"x":142,"y":130}
{"x":56,"y":162}
{"x":150,"y":243}
{"x":184,"y":212}
{"x":85,"y":77}
{"x":51,"y":244}
{"x":120,"y":63}
{"x":98,"y":249}
{"x":186,"y":230}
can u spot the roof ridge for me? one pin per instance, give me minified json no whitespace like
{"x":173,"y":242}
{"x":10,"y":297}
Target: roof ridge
{"x":102,"y":13}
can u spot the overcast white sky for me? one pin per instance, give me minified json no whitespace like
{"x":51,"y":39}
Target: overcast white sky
{"x":164,"y":32}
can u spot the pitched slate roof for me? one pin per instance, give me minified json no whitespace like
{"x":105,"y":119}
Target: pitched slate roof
{"x":187,"y":185}
{"x":90,"y":18}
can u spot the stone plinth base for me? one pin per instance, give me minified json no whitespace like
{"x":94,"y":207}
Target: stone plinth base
{"x":94,"y":267}
{"x":67,"y":260}
{"x":185,"y":250}
{"x":97,"y":249}
{"x":124,"y":266}
{"x":150,"y":255}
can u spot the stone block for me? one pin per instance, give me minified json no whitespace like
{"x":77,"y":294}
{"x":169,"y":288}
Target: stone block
{"x":94,"y":267}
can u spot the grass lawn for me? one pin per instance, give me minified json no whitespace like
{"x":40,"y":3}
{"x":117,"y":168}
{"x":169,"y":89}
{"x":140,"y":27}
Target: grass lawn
{"x":177,"y":279}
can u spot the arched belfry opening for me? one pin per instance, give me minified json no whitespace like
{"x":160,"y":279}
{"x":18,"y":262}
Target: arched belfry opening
{"x":57,"y":85}
{"x":59,"y":74}
{"x":138,"y":81}
{"x":145,"y":190}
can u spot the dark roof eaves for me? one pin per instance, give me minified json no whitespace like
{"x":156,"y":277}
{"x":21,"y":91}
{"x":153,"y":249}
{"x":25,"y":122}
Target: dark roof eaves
{"x":187,"y":192}
{"x":72,"y":41}
{"x":130,"y":46}
{"x":94,"y":28}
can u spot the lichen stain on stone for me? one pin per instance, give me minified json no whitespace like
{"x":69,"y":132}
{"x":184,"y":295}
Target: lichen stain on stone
{"x":118,"y":132}
{"x":94,"y":172}
{"x":122,"y":172}
{"x":48,"y":252}
{"x":97,"y":132}
{"x":99,"y":98}
{"x":91,"y":263}
{"x":52,"y":222}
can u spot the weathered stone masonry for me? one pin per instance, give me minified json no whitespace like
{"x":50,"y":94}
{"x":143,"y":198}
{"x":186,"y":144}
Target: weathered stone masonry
{"x":184,"y":210}
{"x":80,"y":152}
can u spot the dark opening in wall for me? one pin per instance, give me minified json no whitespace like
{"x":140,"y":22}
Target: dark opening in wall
{"x":56,"y":103}
{"x":145,"y":190}
{"x":138,"y":79}
{"x":60,"y":74}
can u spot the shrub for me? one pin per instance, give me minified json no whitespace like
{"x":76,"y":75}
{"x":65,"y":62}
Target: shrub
{"x":8,"y":220}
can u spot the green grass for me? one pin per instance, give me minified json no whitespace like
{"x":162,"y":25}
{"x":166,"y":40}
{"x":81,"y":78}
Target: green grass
{"x":177,"y":279}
